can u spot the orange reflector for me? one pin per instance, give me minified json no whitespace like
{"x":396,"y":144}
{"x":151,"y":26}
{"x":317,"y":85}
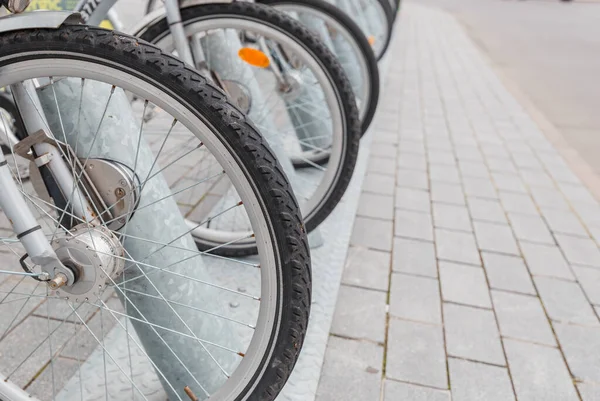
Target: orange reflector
{"x":254,"y":57}
{"x":371,"y":40}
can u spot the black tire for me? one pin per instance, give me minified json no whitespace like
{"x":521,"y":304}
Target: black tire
{"x":237,"y":134}
{"x":389,"y":14}
{"x":266,"y":15}
{"x":359,"y":37}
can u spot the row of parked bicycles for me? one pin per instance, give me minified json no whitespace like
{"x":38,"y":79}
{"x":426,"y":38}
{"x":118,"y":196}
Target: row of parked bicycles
{"x":160,"y":187}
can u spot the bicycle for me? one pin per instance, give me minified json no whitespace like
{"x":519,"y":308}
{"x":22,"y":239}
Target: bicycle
{"x":99,"y":223}
{"x":292,"y":86}
{"x":345,"y":38}
{"x":342,"y":36}
{"x":376,"y":19}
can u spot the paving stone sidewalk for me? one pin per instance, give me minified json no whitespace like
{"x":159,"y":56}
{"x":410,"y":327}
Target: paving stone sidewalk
{"x":474,"y":270}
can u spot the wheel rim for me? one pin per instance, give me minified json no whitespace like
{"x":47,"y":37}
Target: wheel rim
{"x":355,"y":67}
{"x":328,"y":176}
{"x":269,"y":295}
{"x":377,"y":29}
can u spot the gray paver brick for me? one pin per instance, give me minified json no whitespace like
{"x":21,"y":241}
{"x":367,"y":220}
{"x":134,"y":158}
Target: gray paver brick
{"x":526,"y":161}
{"x":501,"y":164}
{"x":100,"y":324}
{"x":530,"y":228}
{"x":24,"y":339}
{"x":379,"y":184}
{"x":376,"y":206}
{"x":412,"y":179}
{"x":522,"y":317}
{"x":395,"y":391}
{"x":416,"y":257}
{"x":367,"y":268}
{"x":464,"y":284}
{"x":382,"y":165}
{"x":443,"y":173}
{"x":14,"y":312}
{"x":412,"y":161}
{"x":416,"y":353}
{"x":413,"y":199}
{"x":506,"y":272}
{"x":580,"y":251}
{"x":415,"y":298}
{"x":414,"y":225}
{"x":589,"y":391}
{"x":495,"y":237}
{"x":545,"y":260}
{"x":538,"y":372}
{"x":477,"y":381}
{"x":447,"y":193}
{"x":386,"y":135}
{"x":380,"y":150}
{"x":561,"y":172}
{"x":472,"y":333}
{"x":456,"y":246}
{"x":468,"y":153}
{"x":53,"y":377}
{"x":518,"y":203}
{"x":453,"y":217}
{"x":589,"y":279}
{"x":435,"y":139}
{"x":479,"y":187}
{"x":372,"y":233}
{"x":441,"y":157}
{"x":351,"y":370}
{"x":581,"y":346}
{"x":550,"y":198}
{"x":537,"y":179}
{"x":473,"y":169}
{"x":577,"y":193}
{"x":408,"y":146}
{"x":564,"y":222}
{"x":486,"y":210}
{"x":590,"y":214}
{"x":360,"y":314}
{"x":564,"y":301}
{"x":508,"y":182}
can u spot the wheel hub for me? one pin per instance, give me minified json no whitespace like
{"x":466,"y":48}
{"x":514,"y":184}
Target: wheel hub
{"x":293,"y":86}
{"x":94,"y":254}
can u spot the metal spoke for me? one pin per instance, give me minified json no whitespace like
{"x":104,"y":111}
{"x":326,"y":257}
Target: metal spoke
{"x":130,"y":337}
{"x":195,"y":252}
{"x":163,"y":269}
{"x":192,"y":336}
{"x":192,"y":307}
{"x":40,"y":344}
{"x":107,"y":353}
{"x":184,"y":234}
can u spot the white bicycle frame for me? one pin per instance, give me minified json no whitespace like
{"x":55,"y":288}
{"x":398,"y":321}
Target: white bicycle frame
{"x":12,"y":201}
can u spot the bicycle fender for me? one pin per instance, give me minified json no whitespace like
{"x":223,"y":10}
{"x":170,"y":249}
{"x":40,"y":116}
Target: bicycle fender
{"x":159,"y":13}
{"x":38,"y":19}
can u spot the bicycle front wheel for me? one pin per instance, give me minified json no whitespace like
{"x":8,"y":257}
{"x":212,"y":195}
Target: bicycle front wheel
{"x":300,"y":99}
{"x":375,"y":18}
{"x":344,"y":38}
{"x":148,"y":315}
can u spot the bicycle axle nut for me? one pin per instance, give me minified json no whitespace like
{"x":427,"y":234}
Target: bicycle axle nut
{"x":58,"y":281}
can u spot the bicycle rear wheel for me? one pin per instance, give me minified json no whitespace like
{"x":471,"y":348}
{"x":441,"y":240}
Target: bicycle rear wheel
{"x":229,"y":329}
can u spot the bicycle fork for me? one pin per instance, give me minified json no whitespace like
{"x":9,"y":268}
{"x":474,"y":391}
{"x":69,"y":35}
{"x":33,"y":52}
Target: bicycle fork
{"x":13,"y":203}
